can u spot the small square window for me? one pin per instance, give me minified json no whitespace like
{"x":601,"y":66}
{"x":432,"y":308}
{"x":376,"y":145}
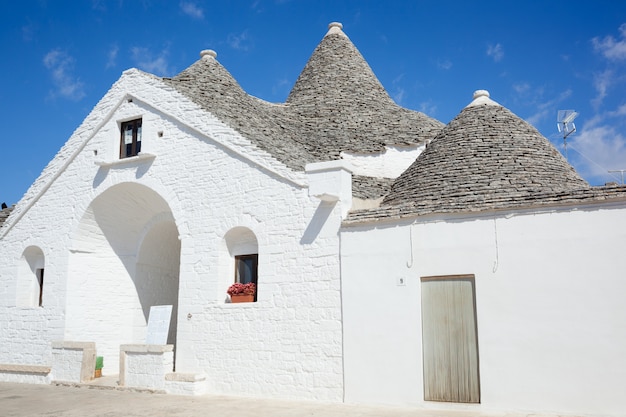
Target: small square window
{"x":130,"y":141}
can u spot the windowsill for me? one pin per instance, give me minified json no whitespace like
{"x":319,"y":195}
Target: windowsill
{"x":142,"y":157}
{"x":237,"y":305}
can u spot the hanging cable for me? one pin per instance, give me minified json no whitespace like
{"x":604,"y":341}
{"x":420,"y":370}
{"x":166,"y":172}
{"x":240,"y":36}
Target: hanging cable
{"x":410,"y":265}
{"x":495,"y":233}
{"x":592,"y":161}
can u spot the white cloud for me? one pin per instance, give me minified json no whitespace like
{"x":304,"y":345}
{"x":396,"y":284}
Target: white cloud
{"x":112,"y":56}
{"x":428,"y":107}
{"x":614,"y":51}
{"x":398,"y":91}
{"x":61,"y":66}
{"x":602,"y":144}
{"x":621,"y":111}
{"x":546,"y":109}
{"x":240,"y":41}
{"x":281,"y":86}
{"x":28,"y":32}
{"x":99,"y":5}
{"x":521,"y":88}
{"x":496,"y":52}
{"x":398,"y":95}
{"x":603,"y":149}
{"x":445,"y":64}
{"x":191,"y":9}
{"x":601,"y":82}
{"x":611,"y":48}
{"x":538,"y":116}
{"x":149,"y":62}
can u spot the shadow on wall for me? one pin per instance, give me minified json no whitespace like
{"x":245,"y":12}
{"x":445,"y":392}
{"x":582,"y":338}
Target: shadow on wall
{"x":127,"y":241}
{"x":321,"y":215}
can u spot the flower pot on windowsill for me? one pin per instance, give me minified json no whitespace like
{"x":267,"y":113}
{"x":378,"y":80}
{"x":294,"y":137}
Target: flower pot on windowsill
{"x":242,"y":293}
{"x":242,"y":298}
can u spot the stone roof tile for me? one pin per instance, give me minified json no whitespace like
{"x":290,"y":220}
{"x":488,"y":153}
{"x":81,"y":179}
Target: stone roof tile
{"x":336,"y":105}
{"x":339,"y":103}
{"x":370,"y":188}
{"x":588,"y":196}
{"x":211,"y":86}
{"x":4,"y":214}
{"x":485,"y":157}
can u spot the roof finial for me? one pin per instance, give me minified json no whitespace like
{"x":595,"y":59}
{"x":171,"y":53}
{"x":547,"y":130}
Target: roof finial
{"x":208,"y":53}
{"x":482,"y":97}
{"x":334,"y":27}
{"x":481,"y":93}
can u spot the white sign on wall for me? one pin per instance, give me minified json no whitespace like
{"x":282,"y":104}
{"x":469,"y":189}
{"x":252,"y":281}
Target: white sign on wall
{"x":158,"y":325}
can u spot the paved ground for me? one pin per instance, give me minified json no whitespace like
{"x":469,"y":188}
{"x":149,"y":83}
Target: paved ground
{"x":22,"y":400}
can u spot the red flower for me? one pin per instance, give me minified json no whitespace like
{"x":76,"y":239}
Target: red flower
{"x":237,"y":288}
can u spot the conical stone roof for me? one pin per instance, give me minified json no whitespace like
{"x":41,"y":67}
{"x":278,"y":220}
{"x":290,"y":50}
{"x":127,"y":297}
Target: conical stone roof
{"x":337,"y":73}
{"x":486,"y":157}
{"x":210,"y":85}
{"x":342,"y":106}
{"x":337,"y":105}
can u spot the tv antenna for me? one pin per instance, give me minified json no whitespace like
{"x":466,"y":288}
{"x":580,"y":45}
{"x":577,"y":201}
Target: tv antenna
{"x":565,"y":119}
{"x":621,"y":171}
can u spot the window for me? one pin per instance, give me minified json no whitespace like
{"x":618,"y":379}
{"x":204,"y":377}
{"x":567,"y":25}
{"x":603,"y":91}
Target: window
{"x":130,"y":142}
{"x":39,"y":274}
{"x":246,"y":267}
{"x":30,"y":282}
{"x":238,"y":263}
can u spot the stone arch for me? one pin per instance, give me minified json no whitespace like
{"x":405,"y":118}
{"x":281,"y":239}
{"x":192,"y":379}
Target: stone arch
{"x":124,"y":258}
{"x":237,"y":241}
{"x":30,"y":281}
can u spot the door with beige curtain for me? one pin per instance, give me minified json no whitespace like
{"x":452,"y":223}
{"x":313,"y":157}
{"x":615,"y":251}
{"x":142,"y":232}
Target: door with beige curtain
{"x":449,"y":337}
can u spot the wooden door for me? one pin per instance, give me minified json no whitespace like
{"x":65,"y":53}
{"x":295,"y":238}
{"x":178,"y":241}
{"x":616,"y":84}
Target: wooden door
{"x":449,"y":338}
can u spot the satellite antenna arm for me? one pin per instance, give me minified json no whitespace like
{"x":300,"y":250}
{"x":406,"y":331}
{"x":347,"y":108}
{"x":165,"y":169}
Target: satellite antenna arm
{"x":568,"y":132}
{"x":565,"y":119}
{"x":570,"y":117}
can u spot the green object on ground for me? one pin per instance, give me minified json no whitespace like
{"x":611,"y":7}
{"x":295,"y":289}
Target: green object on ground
{"x":99,"y":362}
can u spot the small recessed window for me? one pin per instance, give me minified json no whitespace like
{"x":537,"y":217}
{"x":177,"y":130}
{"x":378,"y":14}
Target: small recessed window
{"x":246,"y":267}
{"x":39,"y":274}
{"x":130,"y":142}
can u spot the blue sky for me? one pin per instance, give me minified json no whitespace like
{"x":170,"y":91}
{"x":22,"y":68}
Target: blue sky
{"x":535,"y":57}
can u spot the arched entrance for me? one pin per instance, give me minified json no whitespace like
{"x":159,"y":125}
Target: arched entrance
{"x":124,"y":258}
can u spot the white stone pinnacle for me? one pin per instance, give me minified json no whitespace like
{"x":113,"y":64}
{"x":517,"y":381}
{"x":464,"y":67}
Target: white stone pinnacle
{"x":481,"y":93}
{"x":482,"y":97}
{"x":335,"y":27}
{"x":208,"y":53}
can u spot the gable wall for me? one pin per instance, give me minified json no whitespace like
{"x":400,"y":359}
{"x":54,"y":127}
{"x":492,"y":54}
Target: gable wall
{"x":286,"y":345}
{"x":29,"y":330}
{"x":549,"y":301}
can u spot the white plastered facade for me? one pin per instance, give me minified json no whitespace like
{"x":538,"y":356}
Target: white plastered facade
{"x":338,"y":314}
{"x":118,"y":236}
{"x":549,"y":300}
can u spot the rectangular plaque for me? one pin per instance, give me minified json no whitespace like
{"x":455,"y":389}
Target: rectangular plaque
{"x":158,"y":325}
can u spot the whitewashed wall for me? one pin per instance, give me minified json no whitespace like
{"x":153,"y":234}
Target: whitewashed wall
{"x":388,"y":164}
{"x":550,"y":307}
{"x":206,"y":180}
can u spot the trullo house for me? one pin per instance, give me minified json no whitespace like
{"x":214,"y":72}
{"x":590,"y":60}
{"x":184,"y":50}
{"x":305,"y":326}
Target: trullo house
{"x":395,"y":260}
